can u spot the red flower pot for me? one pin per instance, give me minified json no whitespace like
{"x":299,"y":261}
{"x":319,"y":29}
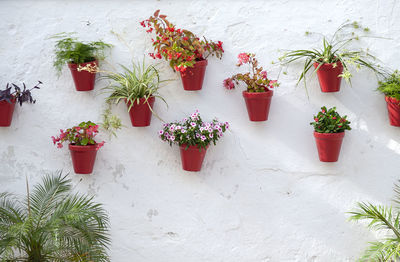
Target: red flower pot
{"x":83,"y":158}
{"x":192,"y":157}
{"x":140,"y":114}
{"x":192,"y":78}
{"x":328,"y":76}
{"x":328,"y":145}
{"x":6,"y":112}
{"x":84,"y":80}
{"x":258,"y":105}
{"x":393,"y":107}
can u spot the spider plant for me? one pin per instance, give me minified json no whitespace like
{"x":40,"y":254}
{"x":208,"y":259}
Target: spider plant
{"x":385,"y":219}
{"x":334,"y":51}
{"x":141,"y":81}
{"x":52,"y":224}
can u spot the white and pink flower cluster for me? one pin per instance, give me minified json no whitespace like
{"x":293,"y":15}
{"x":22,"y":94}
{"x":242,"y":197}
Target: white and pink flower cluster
{"x":193,"y":131}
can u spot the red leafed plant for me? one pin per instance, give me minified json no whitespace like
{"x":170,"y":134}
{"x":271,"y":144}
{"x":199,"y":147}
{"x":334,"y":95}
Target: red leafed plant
{"x":256,"y":79}
{"x":180,"y":47}
{"x":80,"y":135}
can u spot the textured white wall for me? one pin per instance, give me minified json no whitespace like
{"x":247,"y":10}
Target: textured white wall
{"x":262,"y":194}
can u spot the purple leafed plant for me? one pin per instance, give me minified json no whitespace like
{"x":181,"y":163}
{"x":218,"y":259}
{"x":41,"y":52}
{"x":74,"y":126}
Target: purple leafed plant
{"x":18,"y":94}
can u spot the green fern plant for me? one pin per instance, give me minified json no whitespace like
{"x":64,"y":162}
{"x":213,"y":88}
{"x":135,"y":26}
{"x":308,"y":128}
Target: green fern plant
{"x":69,"y":50}
{"x":385,"y":219}
{"x":52,"y":224}
{"x":391,"y":85}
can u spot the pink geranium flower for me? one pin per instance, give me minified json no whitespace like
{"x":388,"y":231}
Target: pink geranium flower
{"x":243,"y":58}
{"x":228,"y":84}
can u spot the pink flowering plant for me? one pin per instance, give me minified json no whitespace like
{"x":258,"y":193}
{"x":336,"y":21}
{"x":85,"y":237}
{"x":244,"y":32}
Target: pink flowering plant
{"x":329,"y":121}
{"x":193,"y":131}
{"x":256,"y":79}
{"x":80,"y":135}
{"x":180,"y":47}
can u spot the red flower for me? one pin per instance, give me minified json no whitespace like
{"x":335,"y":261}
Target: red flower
{"x":323,"y":111}
{"x":158,"y":55}
{"x":219,"y":44}
{"x":152,"y":55}
{"x":149,"y":30}
{"x":185,"y":38}
{"x":99,"y":145}
{"x":316,"y":119}
{"x":334,"y":117}
{"x":190,"y":58}
{"x":171,"y":29}
{"x":178,"y":55}
{"x":142,"y":24}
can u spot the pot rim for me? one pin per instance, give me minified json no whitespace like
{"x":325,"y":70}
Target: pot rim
{"x":203,"y":62}
{"x":392,"y":100}
{"x":73,"y":65}
{"x":329,"y":136}
{"x":183,"y":146}
{"x":82,"y":148}
{"x":329,"y":65}
{"x":141,"y":99}
{"x":258,"y":95}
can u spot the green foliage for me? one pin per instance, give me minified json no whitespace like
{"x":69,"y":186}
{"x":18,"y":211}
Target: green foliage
{"x":334,"y":51}
{"x":329,"y":121}
{"x":111,"y":123}
{"x":391,"y":85}
{"x":131,"y":85}
{"x":69,"y":50}
{"x":381,"y":218}
{"x":52,"y":224}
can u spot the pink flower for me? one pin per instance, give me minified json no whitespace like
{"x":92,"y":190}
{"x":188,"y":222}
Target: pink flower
{"x":54,"y":139}
{"x":264,"y":74}
{"x":59,"y":145}
{"x":99,"y":145}
{"x":203,"y":138}
{"x":228,"y":84}
{"x":243,"y":58}
{"x":161,"y":132}
{"x":334,"y":117}
{"x":272,"y":83}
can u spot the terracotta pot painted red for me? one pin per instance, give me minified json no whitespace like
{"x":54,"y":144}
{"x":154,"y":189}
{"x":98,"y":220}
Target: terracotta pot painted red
{"x":84,"y":80}
{"x":328,"y":77}
{"x":140,"y":114}
{"x":258,"y":105}
{"x":328,"y":145}
{"x":6,"y":112}
{"x":83,"y":158}
{"x":393,"y":107}
{"x":192,"y":157}
{"x":192,"y":78}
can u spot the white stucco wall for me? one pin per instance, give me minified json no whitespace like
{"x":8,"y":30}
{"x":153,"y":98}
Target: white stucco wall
{"x":262,"y":194}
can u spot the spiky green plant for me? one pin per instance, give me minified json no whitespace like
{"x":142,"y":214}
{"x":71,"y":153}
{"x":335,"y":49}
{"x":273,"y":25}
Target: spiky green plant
{"x":381,"y":218}
{"x":391,"y":85}
{"x":142,"y":81}
{"x":69,"y":50}
{"x":333,"y":51}
{"x":52,"y":224}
